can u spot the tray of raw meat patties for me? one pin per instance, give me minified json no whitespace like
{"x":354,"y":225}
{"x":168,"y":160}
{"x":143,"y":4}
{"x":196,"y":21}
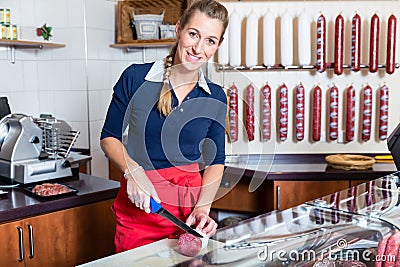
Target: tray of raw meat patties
{"x":51,"y":190}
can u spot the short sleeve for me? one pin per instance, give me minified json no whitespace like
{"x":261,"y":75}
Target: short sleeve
{"x":122,"y":93}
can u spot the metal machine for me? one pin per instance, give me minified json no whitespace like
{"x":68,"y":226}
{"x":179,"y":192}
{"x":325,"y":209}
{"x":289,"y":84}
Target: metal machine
{"x":35,"y":149}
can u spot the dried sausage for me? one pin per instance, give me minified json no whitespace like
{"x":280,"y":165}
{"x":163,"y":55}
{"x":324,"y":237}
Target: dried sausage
{"x":189,"y":245}
{"x":383,"y":111}
{"x":233,"y":113}
{"x":381,"y":252}
{"x":351,"y":203}
{"x":250,"y":112}
{"x":374,"y":44}
{"x":286,"y":39}
{"x":335,"y":217}
{"x":266,"y":113}
{"x":333,"y":112}
{"x":339,"y":42}
{"x":370,"y":196}
{"x":391,"y":250}
{"x":391,"y":45}
{"x":316,"y":107}
{"x":304,"y":39}
{"x":350,"y":113}
{"x":300,"y":112}
{"x":366,"y":113}
{"x":321,"y":43}
{"x":356,"y":43}
{"x":283,"y":112}
{"x":251,"y":40}
{"x":269,"y":39}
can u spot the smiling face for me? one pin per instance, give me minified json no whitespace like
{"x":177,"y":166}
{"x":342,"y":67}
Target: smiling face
{"x":198,"y":40}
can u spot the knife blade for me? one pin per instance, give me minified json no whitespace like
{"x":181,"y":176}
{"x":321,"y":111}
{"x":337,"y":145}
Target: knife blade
{"x":158,"y":208}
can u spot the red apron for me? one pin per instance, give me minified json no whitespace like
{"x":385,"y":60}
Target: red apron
{"x":177,"y":187}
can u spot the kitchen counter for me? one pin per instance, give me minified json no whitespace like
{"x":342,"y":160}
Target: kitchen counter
{"x":18,"y":203}
{"x":161,"y":253}
{"x":299,"y":167}
{"x":262,"y":183}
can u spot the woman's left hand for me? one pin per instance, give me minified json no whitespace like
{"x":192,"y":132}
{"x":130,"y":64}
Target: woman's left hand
{"x":203,"y":222}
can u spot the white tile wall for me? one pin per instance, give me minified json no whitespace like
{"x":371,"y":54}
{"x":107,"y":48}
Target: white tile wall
{"x":99,"y":164}
{"x":98,"y":74}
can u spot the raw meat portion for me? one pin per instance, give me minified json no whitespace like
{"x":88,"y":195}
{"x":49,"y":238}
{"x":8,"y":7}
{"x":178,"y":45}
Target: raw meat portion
{"x":189,"y":245}
{"x":49,"y":189}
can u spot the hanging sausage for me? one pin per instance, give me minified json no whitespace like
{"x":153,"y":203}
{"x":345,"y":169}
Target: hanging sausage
{"x":351,"y":203}
{"x":233,"y":113}
{"x":269,"y":39}
{"x":339,"y":43}
{"x":283,"y":112}
{"x":304,"y":39}
{"x":299,"y":112}
{"x":383,"y":111}
{"x":251,"y":39}
{"x":391,"y":45}
{"x":374,"y":44}
{"x":316,"y":115}
{"x":286,"y":39}
{"x":235,"y":38}
{"x":250,"y":112}
{"x":350,"y":113}
{"x":334,"y":205}
{"x":366,"y":113}
{"x":333,"y":112}
{"x":266,"y":113}
{"x":356,"y":43}
{"x":223,"y":50}
{"x":321,"y":43}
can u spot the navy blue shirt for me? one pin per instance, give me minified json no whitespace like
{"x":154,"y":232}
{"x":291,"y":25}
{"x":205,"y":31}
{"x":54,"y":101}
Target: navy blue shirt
{"x":194,"y":132}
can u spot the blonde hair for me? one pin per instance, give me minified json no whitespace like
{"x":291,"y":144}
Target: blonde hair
{"x":212,"y":9}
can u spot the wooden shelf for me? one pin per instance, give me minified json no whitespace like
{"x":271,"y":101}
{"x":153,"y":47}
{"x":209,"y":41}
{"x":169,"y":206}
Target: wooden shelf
{"x":21,"y":44}
{"x":29,"y":44}
{"x":145,"y":43}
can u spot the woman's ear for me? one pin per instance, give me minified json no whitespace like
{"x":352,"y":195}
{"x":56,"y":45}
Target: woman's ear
{"x":177,"y":29}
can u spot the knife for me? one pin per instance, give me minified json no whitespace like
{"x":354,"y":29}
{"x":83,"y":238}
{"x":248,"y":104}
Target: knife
{"x":157,"y":208}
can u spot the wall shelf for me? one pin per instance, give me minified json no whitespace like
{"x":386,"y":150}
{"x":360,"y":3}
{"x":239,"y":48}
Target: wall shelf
{"x":329,"y":66}
{"x":137,"y":44}
{"x":22,"y":44}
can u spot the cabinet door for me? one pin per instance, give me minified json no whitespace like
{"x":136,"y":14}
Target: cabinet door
{"x":44,"y":238}
{"x":10,"y":234}
{"x":91,"y":231}
{"x":70,"y":237}
{"x":289,"y":193}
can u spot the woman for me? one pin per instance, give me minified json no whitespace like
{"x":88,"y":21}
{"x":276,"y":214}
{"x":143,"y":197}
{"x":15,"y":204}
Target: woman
{"x":176,"y":120}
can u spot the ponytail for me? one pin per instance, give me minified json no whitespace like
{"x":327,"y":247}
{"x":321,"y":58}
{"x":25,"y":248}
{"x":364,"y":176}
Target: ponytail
{"x":164,"y":105}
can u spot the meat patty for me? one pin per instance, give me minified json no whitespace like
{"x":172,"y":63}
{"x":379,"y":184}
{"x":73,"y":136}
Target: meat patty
{"x":50,"y":189}
{"x":189,"y":245}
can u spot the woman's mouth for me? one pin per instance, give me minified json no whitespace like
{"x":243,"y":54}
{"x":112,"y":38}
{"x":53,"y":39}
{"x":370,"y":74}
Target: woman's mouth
{"x":192,"y":58}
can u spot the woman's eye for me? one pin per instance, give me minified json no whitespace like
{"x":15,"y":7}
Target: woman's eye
{"x":211,"y":42}
{"x":193,"y":34}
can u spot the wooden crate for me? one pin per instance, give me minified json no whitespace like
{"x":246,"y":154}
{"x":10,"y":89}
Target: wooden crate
{"x":125,"y":34}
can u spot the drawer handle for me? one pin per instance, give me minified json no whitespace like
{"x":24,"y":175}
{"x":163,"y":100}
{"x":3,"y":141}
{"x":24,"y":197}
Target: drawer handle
{"x":21,"y":243}
{"x":31,"y":247}
{"x":278,"y":197}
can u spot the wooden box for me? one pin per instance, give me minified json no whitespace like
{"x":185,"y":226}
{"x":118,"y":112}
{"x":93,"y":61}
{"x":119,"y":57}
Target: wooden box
{"x":125,"y":33}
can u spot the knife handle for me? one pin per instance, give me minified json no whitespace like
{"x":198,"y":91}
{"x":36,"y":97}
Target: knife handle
{"x":154,"y":206}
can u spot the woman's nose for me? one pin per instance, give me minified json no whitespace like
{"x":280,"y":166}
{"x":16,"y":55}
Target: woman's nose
{"x":198,"y":46}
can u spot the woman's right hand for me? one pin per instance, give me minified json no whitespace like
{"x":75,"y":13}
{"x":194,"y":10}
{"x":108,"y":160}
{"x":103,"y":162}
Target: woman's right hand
{"x":139,"y":189}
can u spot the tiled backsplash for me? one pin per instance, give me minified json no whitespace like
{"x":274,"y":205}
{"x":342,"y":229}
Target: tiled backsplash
{"x":72,"y":83}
